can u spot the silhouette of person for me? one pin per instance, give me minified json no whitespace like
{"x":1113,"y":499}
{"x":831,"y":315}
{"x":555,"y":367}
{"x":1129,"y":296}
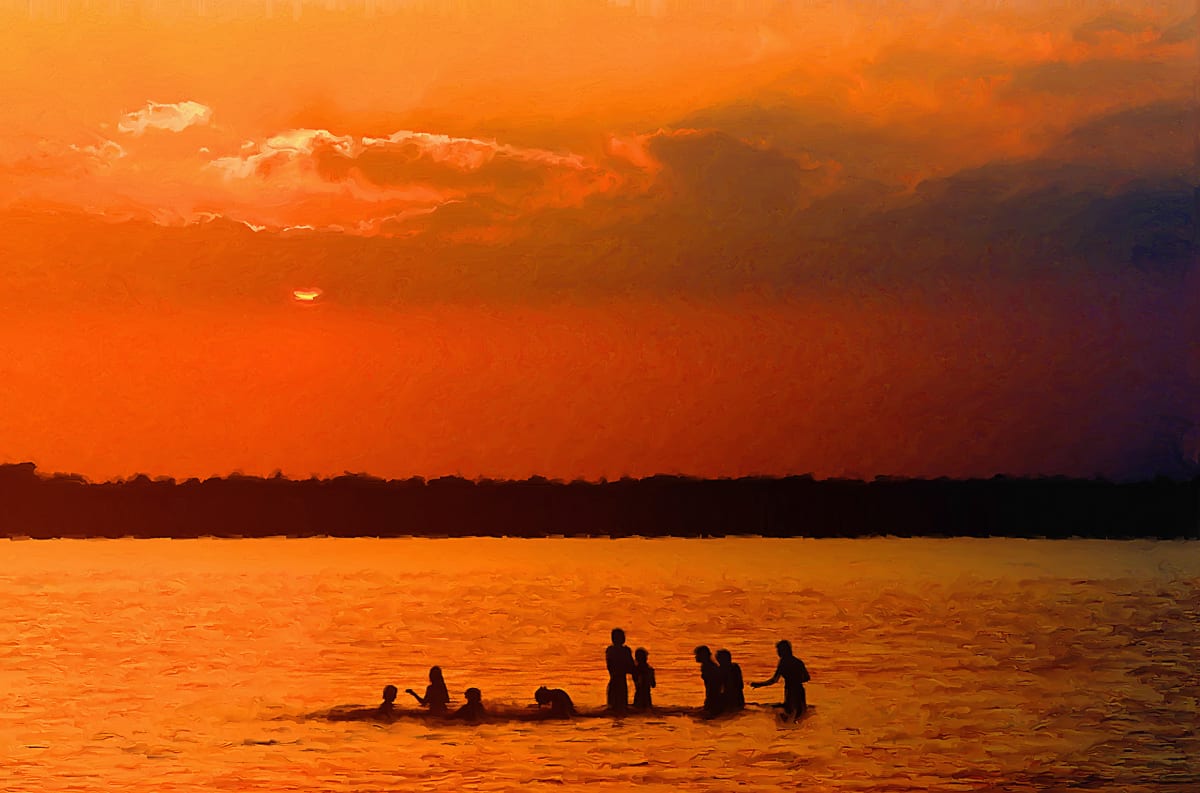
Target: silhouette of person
{"x":473,"y":710}
{"x":643,"y":679}
{"x":733,"y":692}
{"x":710,"y":673}
{"x":794,"y":675}
{"x":561,"y":706}
{"x":436,"y":696}
{"x":619,"y":660}
{"x":387,"y":708}
{"x":386,"y":711}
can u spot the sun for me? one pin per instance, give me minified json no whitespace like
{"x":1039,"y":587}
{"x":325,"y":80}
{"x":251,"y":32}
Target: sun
{"x":311,"y":295}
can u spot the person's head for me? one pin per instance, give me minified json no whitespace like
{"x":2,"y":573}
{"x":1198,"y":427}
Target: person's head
{"x":473,"y":695}
{"x":618,"y":636}
{"x":435,"y":674}
{"x":702,"y":653}
{"x":784,"y":648}
{"x":389,"y":693}
{"x":724,"y":657}
{"x":542,"y":696}
{"x":640,"y":655}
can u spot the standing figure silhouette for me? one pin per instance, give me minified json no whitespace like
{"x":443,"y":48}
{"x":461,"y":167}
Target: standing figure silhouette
{"x":794,"y":675}
{"x":733,"y":691}
{"x":710,"y":673}
{"x":643,"y":679}
{"x":619,"y":660}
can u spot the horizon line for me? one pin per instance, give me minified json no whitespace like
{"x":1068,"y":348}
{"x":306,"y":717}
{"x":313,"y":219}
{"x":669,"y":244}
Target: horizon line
{"x":277,"y":475}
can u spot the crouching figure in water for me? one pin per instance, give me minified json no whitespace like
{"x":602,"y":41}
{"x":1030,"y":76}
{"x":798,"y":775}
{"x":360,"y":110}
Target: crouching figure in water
{"x":561,"y":706}
{"x":386,"y":711}
{"x":794,"y":675}
{"x":387,"y":708}
{"x":473,"y":711}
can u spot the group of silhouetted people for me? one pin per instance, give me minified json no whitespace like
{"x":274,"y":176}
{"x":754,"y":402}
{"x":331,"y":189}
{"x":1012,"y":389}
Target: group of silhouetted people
{"x":724,"y":689}
{"x":623,"y":664}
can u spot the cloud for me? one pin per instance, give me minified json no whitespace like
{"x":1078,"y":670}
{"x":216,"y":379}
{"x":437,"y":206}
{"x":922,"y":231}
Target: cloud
{"x":394,"y":184}
{"x":1096,"y":29}
{"x":40,"y":159}
{"x":170,"y":116}
{"x":1180,"y":32}
{"x":1102,"y":76}
{"x":1156,"y":138}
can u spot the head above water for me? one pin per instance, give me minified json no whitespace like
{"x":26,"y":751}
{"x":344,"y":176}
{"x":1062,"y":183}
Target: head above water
{"x":435,"y":674}
{"x":724,"y":657}
{"x":702,"y":653}
{"x":640,"y":655}
{"x":389,"y":693}
{"x":784,"y":648}
{"x":618,"y":636}
{"x":542,"y":696}
{"x":473,"y":695}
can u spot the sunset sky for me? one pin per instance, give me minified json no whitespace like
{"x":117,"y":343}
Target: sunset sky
{"x":579,"y":238}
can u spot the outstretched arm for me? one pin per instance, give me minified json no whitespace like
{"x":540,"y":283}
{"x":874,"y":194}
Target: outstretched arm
{"x":416,"y":696}
{"x":774,"y":679}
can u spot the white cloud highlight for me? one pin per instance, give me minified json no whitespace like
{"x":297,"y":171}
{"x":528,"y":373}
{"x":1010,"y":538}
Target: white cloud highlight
{"x":170,"y":116}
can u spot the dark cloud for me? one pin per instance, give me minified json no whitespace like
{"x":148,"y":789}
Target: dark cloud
{"x":825,"y":131}
{"x":1150,"y":139}
{"x":1180,"y":32}
{"x":910,"y":62}
{"x":725,"y":179}
{"x":1094,"y":29}
{"x":1094,"y":77}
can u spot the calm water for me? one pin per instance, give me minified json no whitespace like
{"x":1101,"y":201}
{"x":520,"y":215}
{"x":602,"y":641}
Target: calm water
{"x":937,"y":665}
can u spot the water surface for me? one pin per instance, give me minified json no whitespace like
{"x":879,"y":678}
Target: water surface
{"x":953,"y":665}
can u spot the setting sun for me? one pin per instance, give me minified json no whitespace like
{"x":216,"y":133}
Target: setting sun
{"x":306,"y":295}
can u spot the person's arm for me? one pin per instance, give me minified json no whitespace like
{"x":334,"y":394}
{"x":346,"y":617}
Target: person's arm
{"x":653,"y":682}
{"x":774,"y":679}
{"x":416,"y":696}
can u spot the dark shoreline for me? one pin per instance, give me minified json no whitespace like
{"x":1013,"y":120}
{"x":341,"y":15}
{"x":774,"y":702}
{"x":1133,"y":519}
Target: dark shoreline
{"x":43,"y":506}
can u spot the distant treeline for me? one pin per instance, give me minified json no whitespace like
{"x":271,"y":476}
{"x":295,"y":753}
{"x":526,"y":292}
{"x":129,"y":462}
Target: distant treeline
{"x":41,"y":506}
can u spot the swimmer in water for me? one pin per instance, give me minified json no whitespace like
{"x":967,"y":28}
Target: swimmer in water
{"x":473,"y":711}
{"x":436,"y":697}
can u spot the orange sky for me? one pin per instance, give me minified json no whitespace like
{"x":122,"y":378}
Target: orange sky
{"x":590,"y":239}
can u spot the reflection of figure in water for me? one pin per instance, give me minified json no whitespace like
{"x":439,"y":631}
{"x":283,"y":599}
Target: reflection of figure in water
{"x":387,"y":708}
{"x":733,"y":696}
{"x":710,"y":673}
{"x":794,"y":675}
{"x":561,"y":706}
{"x":620,"y":664}
{"x":643,"y":679}
{"x":436,"y":697}
{"x":473,"y":710}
